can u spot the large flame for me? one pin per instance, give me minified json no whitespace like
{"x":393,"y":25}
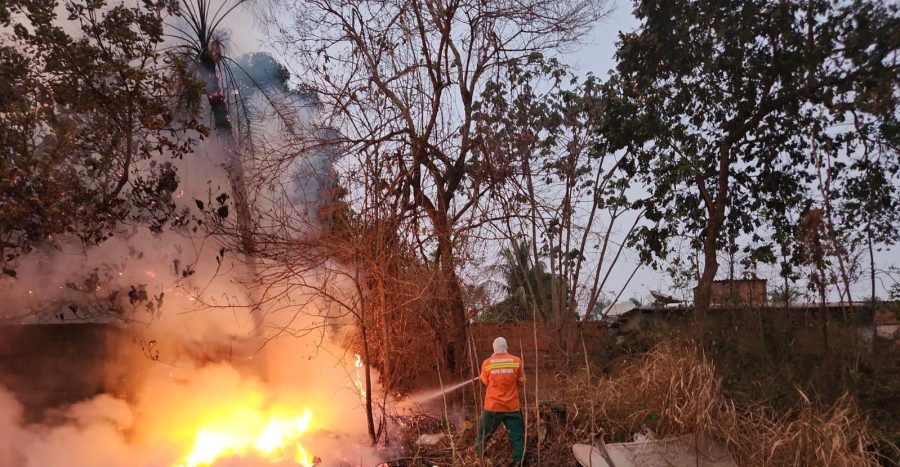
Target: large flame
{"x":215,"y":415}
{"x":248,"y":432}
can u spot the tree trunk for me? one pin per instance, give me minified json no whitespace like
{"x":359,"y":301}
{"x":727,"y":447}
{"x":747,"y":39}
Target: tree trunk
{"x":360,"y":315}
{"x":823,"y":312}
{"x":702,"y":296}
{"x":370,"y":419}
{"x":386,"y":348}
{"x":215,"y":95}
{"x":871,"y":261}
{"x":787,"y":284}
{"x":219,"y":108}
{"x":456,"y":359}
{"x":716,"y":210}
{"x":710,"y":262}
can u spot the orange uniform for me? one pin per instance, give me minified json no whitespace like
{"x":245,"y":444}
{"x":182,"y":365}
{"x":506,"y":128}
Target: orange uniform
{"x":503,"y":374}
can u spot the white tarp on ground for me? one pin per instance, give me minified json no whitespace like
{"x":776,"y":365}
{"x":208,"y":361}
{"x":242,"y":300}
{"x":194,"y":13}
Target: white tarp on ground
{"x":685,"y":451}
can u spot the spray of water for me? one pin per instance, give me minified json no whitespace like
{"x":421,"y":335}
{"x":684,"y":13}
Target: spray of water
{"x":431,"y":394}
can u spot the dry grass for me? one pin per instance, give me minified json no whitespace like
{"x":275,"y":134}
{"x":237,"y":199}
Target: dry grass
{"x":674,"y":390}
{"x":810,"y":435}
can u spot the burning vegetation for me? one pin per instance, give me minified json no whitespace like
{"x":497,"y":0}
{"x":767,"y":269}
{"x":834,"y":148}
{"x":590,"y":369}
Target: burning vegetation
{"x":287,"y":232}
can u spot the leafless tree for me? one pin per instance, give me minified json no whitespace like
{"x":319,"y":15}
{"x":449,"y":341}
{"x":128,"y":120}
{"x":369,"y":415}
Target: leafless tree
{"x":570,"y":191}
{"x":402,"y":80}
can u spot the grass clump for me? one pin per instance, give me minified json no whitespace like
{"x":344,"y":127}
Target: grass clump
{"x":674,"y":390}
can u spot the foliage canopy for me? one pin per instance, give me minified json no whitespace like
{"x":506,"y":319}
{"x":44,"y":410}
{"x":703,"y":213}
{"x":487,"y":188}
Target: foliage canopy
{"x":87,"y":127}
{"x":731,"y":120}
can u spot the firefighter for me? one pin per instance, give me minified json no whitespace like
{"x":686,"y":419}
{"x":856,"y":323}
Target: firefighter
{"x":502,"y":373}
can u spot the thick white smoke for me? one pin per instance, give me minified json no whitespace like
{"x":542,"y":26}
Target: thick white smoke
{"x":193,"y":359}
{"x":192,"y":346}
{"x":181,"y":377}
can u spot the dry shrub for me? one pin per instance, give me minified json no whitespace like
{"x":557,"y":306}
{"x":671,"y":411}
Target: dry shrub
{"x":810,"y":435}
{"x":674,"y":390}
{"x":403,"y":298}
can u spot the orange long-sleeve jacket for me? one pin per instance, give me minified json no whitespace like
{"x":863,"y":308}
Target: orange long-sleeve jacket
{"x":503,"y":374}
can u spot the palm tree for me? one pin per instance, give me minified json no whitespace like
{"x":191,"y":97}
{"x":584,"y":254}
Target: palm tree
{"x":528,"y":282}
{"x":203,"y":47}
{"x":228,"y":84}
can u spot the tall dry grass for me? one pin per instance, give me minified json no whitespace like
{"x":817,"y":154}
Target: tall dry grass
{"x":674,"y":390}
{"x":809,"y":435}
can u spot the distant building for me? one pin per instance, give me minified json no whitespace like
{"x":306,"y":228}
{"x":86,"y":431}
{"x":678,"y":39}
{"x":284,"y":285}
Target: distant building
{"x":738,"y":292}
{"x":887,"y":322}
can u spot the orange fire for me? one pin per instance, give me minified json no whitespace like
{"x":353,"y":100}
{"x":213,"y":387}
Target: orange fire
{"x":250,"y":432}
{"x":215,"y":415}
